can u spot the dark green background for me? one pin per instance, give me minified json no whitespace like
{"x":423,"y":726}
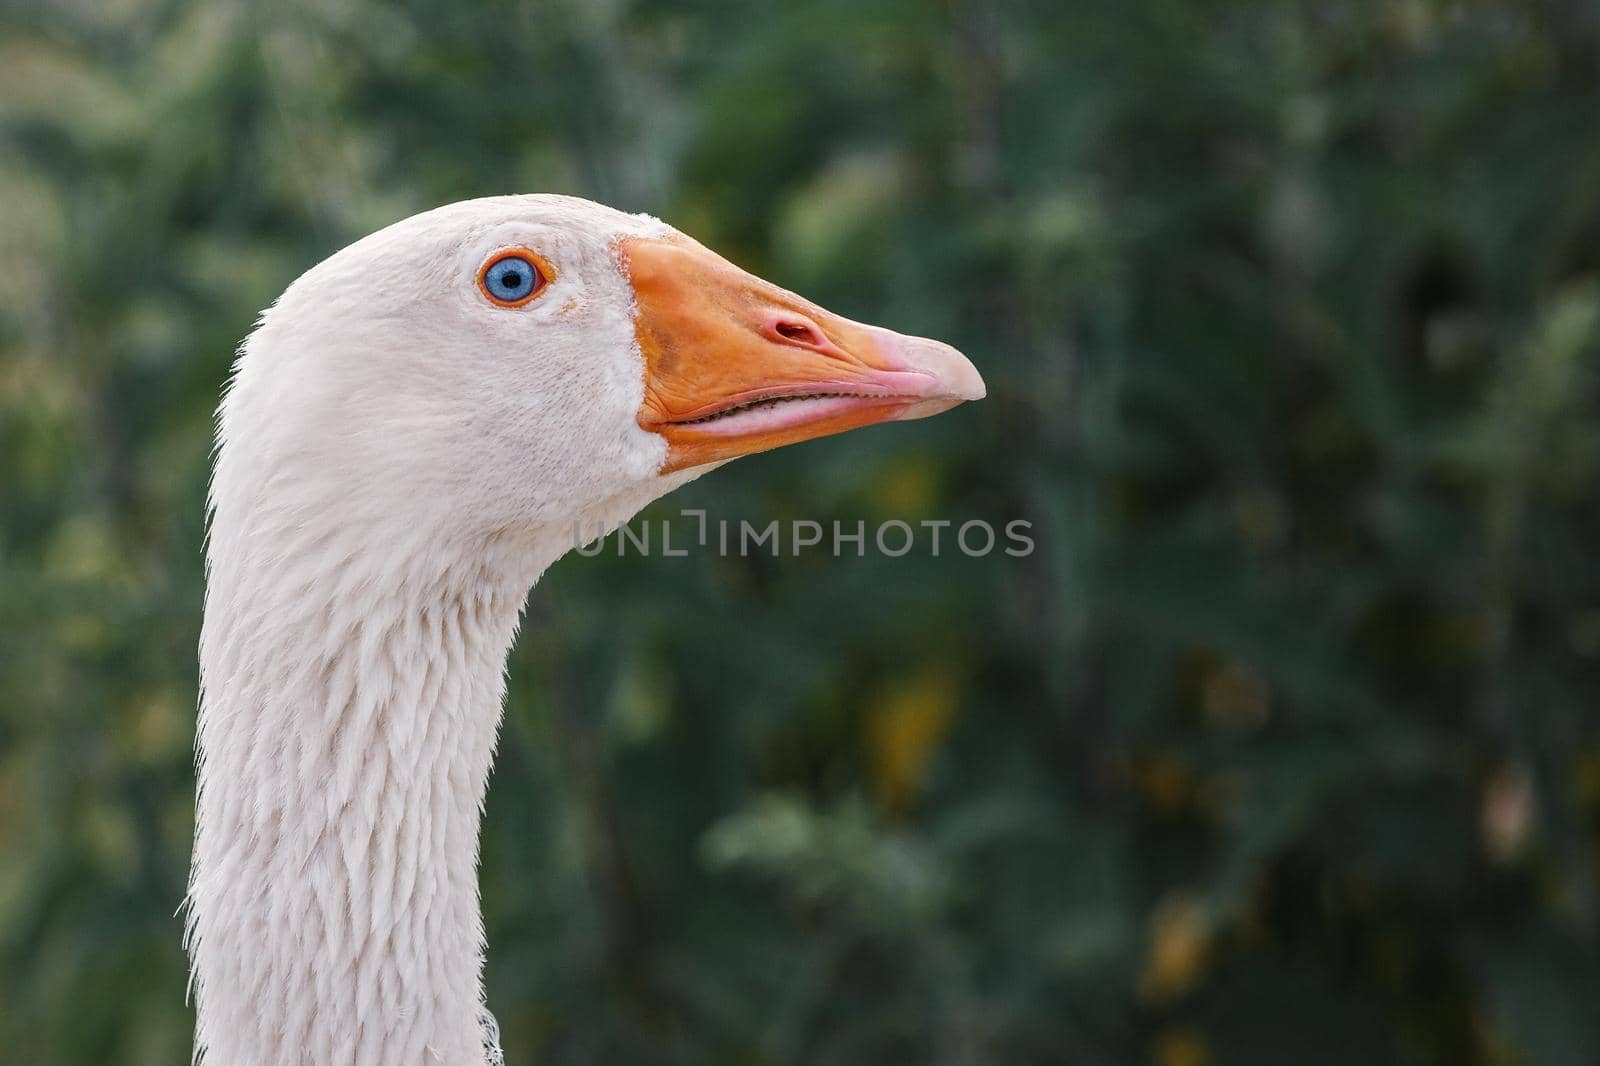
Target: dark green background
{"x":1283,"y":747}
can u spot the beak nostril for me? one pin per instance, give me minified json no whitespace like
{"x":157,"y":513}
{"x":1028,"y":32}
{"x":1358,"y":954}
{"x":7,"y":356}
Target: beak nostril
{"x":804,"y":332}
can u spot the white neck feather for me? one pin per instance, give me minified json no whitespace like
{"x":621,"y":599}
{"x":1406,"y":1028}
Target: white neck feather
{"x":350,"y":702}
{"x":346,"y":736}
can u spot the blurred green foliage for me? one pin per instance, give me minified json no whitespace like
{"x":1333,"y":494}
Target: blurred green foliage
{"x":1284,"y":745}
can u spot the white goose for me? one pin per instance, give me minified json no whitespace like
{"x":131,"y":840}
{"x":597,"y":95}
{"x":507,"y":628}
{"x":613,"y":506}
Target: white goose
{"x":411,"y":436}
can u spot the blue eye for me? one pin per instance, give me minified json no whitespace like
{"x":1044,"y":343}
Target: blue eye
{"x":511,"y":279}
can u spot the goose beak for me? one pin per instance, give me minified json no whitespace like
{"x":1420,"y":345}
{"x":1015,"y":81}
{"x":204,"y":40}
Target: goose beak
{"x":735,"y":365}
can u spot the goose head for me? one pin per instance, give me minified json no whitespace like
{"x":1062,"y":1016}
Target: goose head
{"x":523,"y":362}
{"x":416,"y":428}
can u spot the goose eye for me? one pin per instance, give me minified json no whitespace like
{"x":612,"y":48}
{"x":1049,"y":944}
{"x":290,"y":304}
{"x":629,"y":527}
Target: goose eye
{"x":511,"y":280}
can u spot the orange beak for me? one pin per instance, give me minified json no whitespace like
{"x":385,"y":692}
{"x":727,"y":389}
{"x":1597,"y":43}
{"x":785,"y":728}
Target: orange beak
{"x":735,"y":365}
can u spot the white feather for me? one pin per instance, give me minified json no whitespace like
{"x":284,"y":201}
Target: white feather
{"x":397,"y":462}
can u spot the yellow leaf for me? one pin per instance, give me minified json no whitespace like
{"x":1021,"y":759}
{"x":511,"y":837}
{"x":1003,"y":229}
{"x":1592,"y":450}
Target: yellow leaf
{"x":907,"y":488}
{"x":1181,"y":1047}
{"x":905,"y":729}
{"x":1180,"y":946}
